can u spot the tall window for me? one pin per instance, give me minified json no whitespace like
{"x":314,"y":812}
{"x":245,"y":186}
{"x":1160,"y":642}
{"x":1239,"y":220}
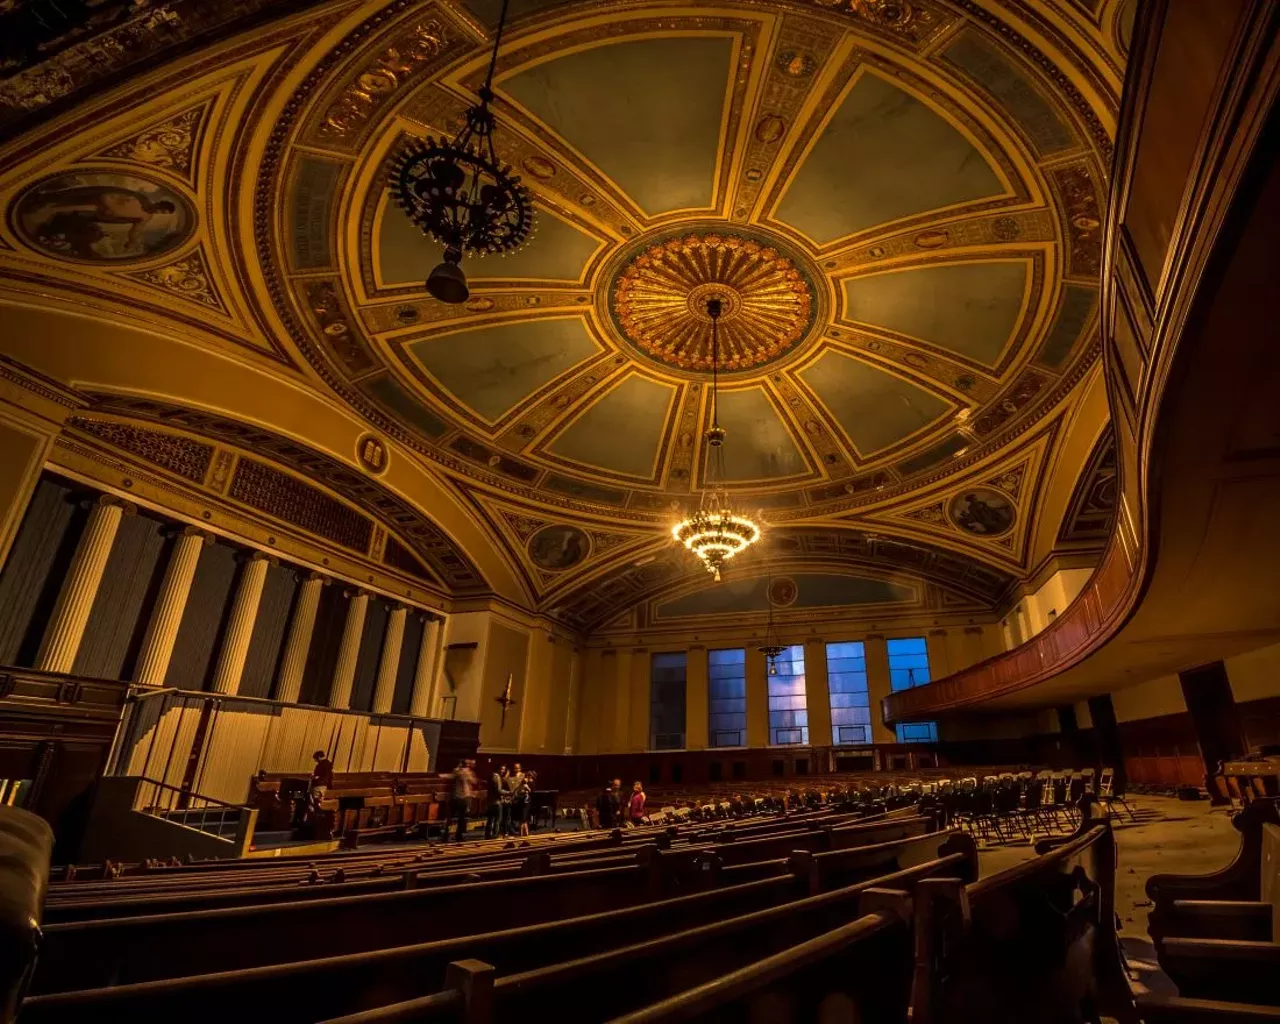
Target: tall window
{"x":666,"y":701}
{"x":788,"y":715}
{"x":908,"y":667}
{"x":847,"y":684}
{"x":727,"y":699}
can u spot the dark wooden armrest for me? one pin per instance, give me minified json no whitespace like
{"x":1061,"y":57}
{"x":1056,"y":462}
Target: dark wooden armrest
{"x":1212,"y":919}
{"x":1176,"y":1010}
{"x":1225,"y":950}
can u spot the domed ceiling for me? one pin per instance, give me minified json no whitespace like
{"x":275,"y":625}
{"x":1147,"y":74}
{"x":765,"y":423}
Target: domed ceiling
{"x":899,"y":202}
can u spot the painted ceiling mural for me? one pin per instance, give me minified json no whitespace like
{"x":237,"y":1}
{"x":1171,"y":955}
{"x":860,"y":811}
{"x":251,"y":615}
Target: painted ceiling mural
{"x":900,"y":202}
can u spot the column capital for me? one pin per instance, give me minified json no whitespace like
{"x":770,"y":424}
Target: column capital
{"x":192,"y":531}
{"x":257,"y":556}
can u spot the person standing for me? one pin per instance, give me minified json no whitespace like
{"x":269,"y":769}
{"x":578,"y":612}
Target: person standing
{"x":464,"y":779}
{"x":521,"y":797}
{"x":635,"y":809}
{"x":607,"y":806}
{"x":499,"y":800}
{"x":321,"y":780}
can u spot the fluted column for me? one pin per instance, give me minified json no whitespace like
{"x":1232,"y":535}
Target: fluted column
{"x":425,"y":673}
{"x":162,"y":630}
{"x":298,"y":644}
{"x":344,"y":672}
{"x":244,"y":613}
{"x":65,"y":631}
{"x":384,"y":690}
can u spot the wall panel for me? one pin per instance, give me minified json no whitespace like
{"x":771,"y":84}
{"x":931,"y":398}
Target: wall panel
{"x":331,"y":617}
{"x":375,"y":630}
{"x":414,"y":626}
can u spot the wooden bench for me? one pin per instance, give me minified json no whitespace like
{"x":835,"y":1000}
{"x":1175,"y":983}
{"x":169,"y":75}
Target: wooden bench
{"x":26,"y":843}
{"x":91,"y":954}
{"x":1035,"y":943}
{"x":1217,"y":936}
{"x":309,"y":991}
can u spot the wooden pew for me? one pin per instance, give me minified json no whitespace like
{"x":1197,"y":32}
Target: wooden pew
{"x":92,"y":954}
{"x":874,"y":968}
{"x":853,"y":973}
{"x":1035,"y":943}
{"x":1178,"y":1010}
{"x":1225,"y":948}
{"x":26,"y":844}
{"x":309,"y":991}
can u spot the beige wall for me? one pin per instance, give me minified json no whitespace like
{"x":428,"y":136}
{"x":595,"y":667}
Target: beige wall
{"x":1155,"y":697}
{"x":1255,"y":675}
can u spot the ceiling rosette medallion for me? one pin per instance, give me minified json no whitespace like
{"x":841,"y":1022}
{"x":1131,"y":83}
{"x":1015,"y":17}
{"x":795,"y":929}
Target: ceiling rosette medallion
{"x":660,"y":301}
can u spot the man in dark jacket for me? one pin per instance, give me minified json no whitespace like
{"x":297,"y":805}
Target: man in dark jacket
{"x":607,"y":806}
{"x":499,"y":803}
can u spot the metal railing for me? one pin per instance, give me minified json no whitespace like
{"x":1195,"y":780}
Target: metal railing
{"x":203,"y":813}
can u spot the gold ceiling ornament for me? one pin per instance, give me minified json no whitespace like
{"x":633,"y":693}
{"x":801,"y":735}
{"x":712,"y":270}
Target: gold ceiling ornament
{"x":715,"y":533}
{"x":660,"y":301}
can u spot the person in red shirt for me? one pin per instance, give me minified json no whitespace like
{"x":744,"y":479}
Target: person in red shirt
{"x":635,"y":809}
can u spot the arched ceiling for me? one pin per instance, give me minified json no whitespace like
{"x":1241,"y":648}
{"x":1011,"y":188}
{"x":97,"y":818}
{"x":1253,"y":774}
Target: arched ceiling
{"x":900,"y":201}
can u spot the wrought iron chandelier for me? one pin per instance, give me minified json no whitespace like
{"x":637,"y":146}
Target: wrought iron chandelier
{"x":459,"y":193}
{"x":715,"y":533}
{"x":771,"y":648}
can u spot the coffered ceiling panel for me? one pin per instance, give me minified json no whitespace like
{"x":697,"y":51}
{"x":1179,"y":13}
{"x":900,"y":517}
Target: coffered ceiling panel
{"x":874,"y":407}
{"x":622,"y":431}
{"x":648,"y":112}
{"x":883,"y":155}
{"x":969,"y":309}
{"x":492,"y":369}
{"x":763,"y":446}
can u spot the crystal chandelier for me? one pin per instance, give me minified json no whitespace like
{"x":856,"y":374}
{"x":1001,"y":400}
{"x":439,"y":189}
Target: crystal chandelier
{"x":459,"y":193}
{"x":771,"y":648}
{"x":715,"y":533}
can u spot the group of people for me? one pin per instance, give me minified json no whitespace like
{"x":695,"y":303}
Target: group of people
{"x":615,"y":810}
{"x":510,"y":801}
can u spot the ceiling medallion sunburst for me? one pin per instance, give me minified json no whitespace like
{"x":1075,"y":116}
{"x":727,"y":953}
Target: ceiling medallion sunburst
{"x":660,"y":301}
{"x":715,"y":533}
{"x":459,"y":193}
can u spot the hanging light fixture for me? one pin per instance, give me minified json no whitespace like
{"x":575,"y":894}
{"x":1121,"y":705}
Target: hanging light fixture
{"x":771,"y":648}
{"x":715,"y":533}
{"x":459,"y":193}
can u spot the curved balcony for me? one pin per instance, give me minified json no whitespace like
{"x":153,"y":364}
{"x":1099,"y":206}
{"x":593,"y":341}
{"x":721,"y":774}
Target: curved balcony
{"x":1192,"y":362}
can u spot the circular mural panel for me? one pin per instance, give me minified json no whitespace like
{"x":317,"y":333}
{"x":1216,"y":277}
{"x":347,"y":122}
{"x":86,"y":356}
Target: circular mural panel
{"x":556,"y":548}
{"x":103,"y":217}
{"x":782,"y":591}
{"x":982,"y":511}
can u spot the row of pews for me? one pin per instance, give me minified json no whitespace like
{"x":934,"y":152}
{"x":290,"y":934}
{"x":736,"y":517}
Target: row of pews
{"x":830,"y":913}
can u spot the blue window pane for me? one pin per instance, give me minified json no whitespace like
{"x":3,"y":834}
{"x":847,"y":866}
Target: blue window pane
{"x":788,"y":711}
{"x":667,"y":701}
{"x":727,"y":697}
{"x":847,"y":686}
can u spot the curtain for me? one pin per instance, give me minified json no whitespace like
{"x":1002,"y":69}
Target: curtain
{"x":204,"y":620}
{"x":37,"y":565}
{"x":269,"y":631}
{"x":375,"y":629}
{"x":331,"y":618}
{"x":126,"y":597}
{"x":408,"y":667}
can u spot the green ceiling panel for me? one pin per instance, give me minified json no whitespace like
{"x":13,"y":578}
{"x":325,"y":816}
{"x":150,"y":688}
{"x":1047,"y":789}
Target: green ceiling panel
{"x":813,"y":590}
{"x":970,"y":309}
{"x":758,"y":444}
{"x":875,"y":408}
{"x":621,"y":432}
{"x":493,"y":369}
{"x":646,"y":112}
{"x":558,"y":251}
{"x":884,"y":155}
